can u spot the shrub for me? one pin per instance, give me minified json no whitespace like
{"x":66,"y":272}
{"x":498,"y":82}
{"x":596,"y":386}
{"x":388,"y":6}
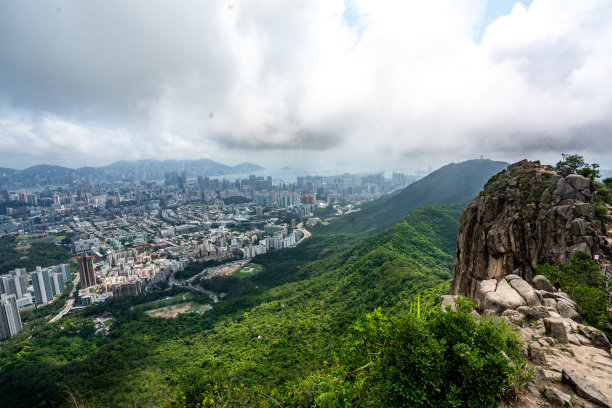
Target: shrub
{"x":584,"y":282}
{"x":445,"y":359}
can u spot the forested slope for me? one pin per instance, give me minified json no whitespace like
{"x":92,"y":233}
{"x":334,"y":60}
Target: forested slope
{"x":453,"y":185}
{"x":250,"y":348}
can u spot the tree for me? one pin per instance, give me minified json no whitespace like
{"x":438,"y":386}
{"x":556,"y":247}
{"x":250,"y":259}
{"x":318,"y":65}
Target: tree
{"x":578,"y":166}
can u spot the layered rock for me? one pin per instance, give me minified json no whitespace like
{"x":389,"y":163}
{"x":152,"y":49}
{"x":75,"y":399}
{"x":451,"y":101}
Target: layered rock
{"x":528,"y":214}
{"x":572,"y":361}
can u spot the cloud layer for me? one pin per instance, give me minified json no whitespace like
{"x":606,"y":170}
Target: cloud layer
{"x":276,"y":81}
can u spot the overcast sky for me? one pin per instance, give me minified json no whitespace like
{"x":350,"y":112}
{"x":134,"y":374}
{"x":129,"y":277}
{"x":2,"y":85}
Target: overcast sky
{"x":361,"y":84}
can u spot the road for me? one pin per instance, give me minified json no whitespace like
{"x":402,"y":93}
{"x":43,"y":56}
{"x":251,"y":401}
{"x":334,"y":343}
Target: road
{"x":224,"y":269}
{"x":69,"y":302}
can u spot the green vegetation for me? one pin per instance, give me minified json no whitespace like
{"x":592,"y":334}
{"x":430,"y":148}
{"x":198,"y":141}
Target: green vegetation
{"x":274,"y":330}
{"x":579,"y":166}
{"x":31,"y":254}
{"x":412,"y":359}
{"x":255,"y":345}
{"x":584,"y":282}
{"x":37,"y":316}
{"x":236,"y":200}
{"x":248,"y":271}
{"x":173,"y":300}
{"x":325,"y":212}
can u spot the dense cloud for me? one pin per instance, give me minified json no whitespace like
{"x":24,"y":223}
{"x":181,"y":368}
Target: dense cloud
{"x":275,"y":81}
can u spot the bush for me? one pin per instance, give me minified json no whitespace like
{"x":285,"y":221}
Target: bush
{"x":444,"y":359}
{"x":584,"y":282}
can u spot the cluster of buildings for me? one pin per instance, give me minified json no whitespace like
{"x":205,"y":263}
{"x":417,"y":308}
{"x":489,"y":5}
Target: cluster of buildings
{"x":20,"y":289}
{"x":130,"y":234}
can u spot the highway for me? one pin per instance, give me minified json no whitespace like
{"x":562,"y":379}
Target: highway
{"x":69,"y":302}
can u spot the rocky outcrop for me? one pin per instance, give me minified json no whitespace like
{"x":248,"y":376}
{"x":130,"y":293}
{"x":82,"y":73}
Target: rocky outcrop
{"x":572,"y":361}
{"x":528,"y":214}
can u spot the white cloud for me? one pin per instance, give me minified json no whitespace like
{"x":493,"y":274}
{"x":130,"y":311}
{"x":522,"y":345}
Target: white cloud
{"x":272,"y":80}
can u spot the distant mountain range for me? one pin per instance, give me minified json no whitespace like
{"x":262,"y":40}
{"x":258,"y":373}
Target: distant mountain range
{"x":45,"y":174}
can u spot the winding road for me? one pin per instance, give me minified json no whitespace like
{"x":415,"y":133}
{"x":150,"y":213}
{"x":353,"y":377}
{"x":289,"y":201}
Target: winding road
{"x":69,"y":302}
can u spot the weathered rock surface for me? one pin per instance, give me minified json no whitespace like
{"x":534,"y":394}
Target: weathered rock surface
{"x":536,"y":354}
{"x":534,"y":313}
{"x":503,"y":298}
{"x":528,"y":214}
{"x":567,"y":310}
{"x":526,"y":291}
{"x":484,"y":288}
{"x":556,"y":329}
{"x":541,"y":282}
{"x":596,"y":337}
{"x":585,"y":388}
{"x":557,"y":397}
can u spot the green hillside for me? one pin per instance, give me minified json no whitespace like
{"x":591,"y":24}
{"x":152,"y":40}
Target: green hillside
{"x":254,"y":345}
{"x":272,"y":331}
{"x":453,"y":185}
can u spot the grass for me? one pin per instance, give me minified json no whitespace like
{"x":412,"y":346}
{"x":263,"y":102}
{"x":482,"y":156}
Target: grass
{"x":31,"y":236}
{"x":248,"y":271}
{"x":172,"y":311}
{"x":174,"y":300}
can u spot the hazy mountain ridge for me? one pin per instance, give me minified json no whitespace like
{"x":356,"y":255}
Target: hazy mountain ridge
{"x":140,"y":170}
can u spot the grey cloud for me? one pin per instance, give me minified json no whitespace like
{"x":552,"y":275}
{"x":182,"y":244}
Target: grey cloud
{"x":104,"y":80}
{"x":302,"y":139}
{"x":105,"y":60}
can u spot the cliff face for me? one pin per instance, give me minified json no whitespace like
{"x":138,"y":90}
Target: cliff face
{"x":526,"y":215}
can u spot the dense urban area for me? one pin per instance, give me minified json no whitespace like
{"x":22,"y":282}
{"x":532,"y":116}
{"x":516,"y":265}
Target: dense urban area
{"x":92,"y":238}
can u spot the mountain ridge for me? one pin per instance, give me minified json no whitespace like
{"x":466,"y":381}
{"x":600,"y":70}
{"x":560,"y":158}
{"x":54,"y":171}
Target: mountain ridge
{"x":146,"y":169}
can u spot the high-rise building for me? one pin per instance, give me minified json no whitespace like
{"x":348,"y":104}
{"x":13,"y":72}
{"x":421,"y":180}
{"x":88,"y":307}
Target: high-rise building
{"x":86,"y":271}
{"x":58,"y":284}
{"x":41,"y":282}
{"x":10,"y":320}
{"x":14,"y":284}
{"x":64,"y":269}
{"x":21,"y":282}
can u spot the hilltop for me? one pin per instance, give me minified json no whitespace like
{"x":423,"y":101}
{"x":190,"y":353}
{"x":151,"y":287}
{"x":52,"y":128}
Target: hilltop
{"x":531,"y":227}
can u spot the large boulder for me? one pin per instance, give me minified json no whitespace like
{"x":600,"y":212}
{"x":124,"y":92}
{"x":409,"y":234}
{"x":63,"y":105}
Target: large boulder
{"x":585,"y":388}
{"x":568,"y":310}
{"x":503,"y":298}
{"x":556,"y":329}
{"x":596,"y":337}
{"x":526,"y":291}
{"x":541,"y":282}
{"x":484,"y":287}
